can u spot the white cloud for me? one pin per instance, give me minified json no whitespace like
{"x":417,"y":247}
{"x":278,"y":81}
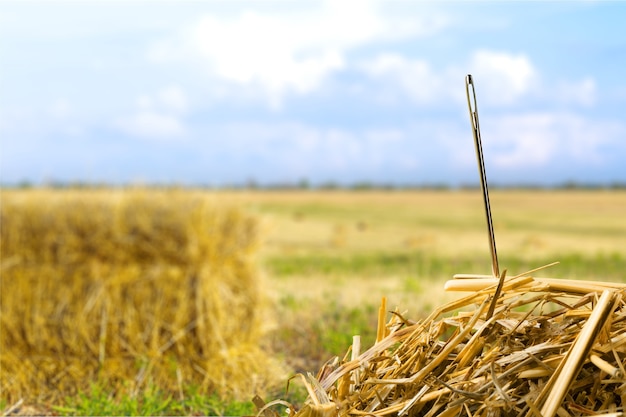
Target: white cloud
{"x":539,"y":139}
{"x":310,"y":151}
{"x":61,"y":108}
{"x":145,"y":102}
{"x":501,"y":78}
{"x":152,"y":125}
{"x":286,"y":52}
{"x":524,"y":141}
{"x":583,"y":92}
{"x":172,"y":98}
{"x":412,"y":77}
{"x":505,"y":77}
{"x":158,"y":116}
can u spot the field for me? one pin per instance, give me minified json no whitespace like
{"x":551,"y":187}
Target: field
{"x":329,"y":257}
{"x":326,"y":258}
{"x":354,"y":247}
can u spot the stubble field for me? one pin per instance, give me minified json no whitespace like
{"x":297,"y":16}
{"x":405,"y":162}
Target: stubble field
{"x":325,"y":258}
{"x":329,"y":257}
{"x":357,"y":246}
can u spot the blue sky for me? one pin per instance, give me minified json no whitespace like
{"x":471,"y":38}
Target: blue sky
{"x":222,"y":92}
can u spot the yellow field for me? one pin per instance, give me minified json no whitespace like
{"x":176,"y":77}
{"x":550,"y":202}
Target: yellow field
{"x":534,"y":222}
{"x":324,"y":259}
{"x":330,"y":256}
{"x":532,"y":228}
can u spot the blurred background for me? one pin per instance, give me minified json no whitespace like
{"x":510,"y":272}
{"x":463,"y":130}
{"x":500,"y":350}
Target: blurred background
{"x":232,"y":93}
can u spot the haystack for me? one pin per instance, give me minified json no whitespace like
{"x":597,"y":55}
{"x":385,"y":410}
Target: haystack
{"x":128,"y":290}
{"x":550,"y":347}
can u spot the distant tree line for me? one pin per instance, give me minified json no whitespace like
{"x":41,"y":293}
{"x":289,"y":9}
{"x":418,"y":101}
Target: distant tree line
{"x":304,"y":184}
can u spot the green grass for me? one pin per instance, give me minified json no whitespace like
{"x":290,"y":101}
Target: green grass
{"x":312,"y":332}
{"x":417,"y":265}
{"x":151,"y":402}
{"x":606,"y":266}
{"x":361,"y":264}
{"x":337,"y":325}
{"x":600,"y":266}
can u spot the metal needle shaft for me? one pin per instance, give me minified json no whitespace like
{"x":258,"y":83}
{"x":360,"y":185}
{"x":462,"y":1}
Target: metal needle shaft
{"x":473,"y":110}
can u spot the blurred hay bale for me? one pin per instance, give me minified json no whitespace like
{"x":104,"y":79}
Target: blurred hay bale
{"x":551,"y":347}
{"x":128,"y":289}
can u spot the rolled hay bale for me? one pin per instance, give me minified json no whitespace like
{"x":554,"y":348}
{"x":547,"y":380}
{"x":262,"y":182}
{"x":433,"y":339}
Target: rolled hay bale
{"x":550,"y":348}
{"x":129,"y":290}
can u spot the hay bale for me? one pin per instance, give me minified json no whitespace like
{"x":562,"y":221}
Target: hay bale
{"x":551,"y":347}
{"x":128,"y":289}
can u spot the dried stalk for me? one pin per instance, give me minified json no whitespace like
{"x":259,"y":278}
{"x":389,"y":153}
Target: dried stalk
{"x":576,"y":356}
{"x":539,"y":354}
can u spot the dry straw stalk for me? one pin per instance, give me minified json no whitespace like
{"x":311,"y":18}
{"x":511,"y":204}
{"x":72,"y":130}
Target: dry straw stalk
{"x":550,"y":348}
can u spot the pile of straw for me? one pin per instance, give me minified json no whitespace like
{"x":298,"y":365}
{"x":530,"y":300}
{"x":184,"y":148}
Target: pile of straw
{"x":128,"y":290}
{"x":550,"y":347}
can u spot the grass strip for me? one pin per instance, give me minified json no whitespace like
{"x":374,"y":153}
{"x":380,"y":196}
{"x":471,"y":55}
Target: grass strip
{"x":607,"y":266}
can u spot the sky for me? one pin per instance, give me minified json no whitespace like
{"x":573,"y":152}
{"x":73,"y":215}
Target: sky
{"x":220,"y":93}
